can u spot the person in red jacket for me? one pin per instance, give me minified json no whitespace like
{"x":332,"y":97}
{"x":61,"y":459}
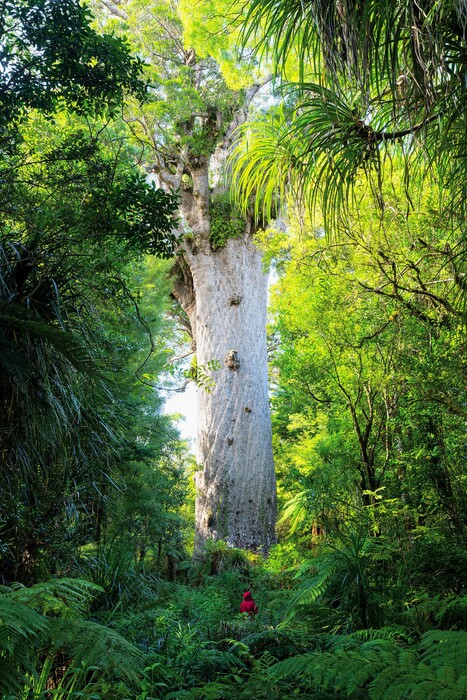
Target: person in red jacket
{"x":248,"y":605}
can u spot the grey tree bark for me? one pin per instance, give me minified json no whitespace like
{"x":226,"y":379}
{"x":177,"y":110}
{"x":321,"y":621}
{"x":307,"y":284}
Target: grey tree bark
{"x":224,"y":293}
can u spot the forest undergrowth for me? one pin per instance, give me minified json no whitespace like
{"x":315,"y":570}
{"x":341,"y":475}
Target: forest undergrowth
{"x":346,"y":622}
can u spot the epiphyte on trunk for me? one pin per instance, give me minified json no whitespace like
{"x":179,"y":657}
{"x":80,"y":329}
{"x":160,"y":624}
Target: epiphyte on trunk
{"x":231,"y":360}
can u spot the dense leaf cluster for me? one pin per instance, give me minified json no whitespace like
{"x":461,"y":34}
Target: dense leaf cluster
{"x":187,"y":640}
{"x":369,"y":81}
{"x":76,"y":219}
{"x":51,"y":57}
{"x":225,"y":222}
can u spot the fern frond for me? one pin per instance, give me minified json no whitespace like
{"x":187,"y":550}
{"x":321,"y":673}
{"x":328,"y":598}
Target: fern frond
{"x":65,"y":597}
{"x":17,"y":624}
{"x":417,"y":681}
{"x":444,"y":648}
{"x":21,"y":630}
{"x":48,"y":616}
{"x":90,"y":644}
{"x":434,"y":668}
{"x":294,"y":667}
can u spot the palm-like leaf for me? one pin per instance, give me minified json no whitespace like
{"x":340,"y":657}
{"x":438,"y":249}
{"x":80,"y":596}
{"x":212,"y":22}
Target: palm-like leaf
{"x":71,"y":347}
{"x":264,"y":163}
{"x":314,"y":154}
{"x":371,"y":42}
{"x":388,"y":80}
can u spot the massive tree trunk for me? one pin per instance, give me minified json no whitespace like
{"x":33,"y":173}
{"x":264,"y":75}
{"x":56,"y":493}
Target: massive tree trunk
{"x":224,"y":293}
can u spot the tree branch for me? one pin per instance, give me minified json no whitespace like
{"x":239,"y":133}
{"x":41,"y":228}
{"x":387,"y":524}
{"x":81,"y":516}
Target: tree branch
{"x":376,"y":333}
{"x":366,"y":131}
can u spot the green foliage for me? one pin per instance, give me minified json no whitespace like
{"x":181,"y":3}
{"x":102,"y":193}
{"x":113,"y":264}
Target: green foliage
{"x":345,"y":580}
{"x":362,"y":597}
{"x":120,"y":579}
{"x":432,"y":668}
{"x":76,"y":217}
{"x":364,"y":410}
{"x":226,"y":222}
{"x":51,"y":57}
{"x":212,"y":30}
{"x":42,"y":626}
{"x":195,"y":644}
{"x":189,"y":105}
{"x":217,"y":557}
{"x":376,"y":84}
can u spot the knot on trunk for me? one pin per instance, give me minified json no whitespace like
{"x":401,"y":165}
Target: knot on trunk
{"x":231,"y":360}
{"x":235,"y":300}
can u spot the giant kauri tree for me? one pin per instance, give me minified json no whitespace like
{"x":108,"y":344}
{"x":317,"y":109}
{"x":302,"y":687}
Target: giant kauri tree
{"x":186,"y":131}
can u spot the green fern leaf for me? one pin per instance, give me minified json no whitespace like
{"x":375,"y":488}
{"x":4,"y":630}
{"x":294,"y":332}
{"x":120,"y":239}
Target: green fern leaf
{"x":21,"y":630}
{"x":90,"y":644}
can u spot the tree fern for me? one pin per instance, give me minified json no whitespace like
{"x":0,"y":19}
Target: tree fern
{"x":341,"y":578}
{"x":43,"y":637}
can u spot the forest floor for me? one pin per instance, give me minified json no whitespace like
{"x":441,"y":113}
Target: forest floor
{"x":324,"y":630}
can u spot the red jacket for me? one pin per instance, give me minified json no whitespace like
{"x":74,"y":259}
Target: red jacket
{"x":248,"y":605}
